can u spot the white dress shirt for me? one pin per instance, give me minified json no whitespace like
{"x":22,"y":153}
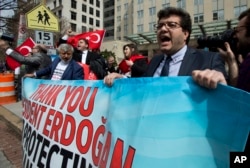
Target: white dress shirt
{"x":174,"y":65}
{"x":84,"y":56}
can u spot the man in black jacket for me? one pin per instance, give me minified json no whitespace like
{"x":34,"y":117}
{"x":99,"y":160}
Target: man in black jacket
{"x":82,"y":54}
{"x":177,"y":59}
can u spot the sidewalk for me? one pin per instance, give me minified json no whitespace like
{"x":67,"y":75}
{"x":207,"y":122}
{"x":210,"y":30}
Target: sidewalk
{"x":12,"y":113}
{"x":11,"y":131}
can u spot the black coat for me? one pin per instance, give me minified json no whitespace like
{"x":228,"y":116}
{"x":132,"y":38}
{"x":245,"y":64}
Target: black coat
{"x":193,"y":60}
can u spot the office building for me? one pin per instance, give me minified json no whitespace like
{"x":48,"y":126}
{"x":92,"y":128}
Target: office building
{"x":81,"y":16}
{"x":135,"y":19}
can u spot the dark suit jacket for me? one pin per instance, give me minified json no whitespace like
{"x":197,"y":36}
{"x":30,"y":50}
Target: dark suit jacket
{"x":73,"y":72}
{"x":95,"y":61}
{"x":193,"y":60}
{"x":33,"y":63}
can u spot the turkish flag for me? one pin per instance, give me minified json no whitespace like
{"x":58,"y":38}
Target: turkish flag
{"x":24,"y":49}
{"x":94,"y":38}
{"x":88,"y":74}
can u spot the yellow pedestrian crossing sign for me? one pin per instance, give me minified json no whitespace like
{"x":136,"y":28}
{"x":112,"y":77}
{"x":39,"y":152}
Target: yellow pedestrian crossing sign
{"x":42,"y":18}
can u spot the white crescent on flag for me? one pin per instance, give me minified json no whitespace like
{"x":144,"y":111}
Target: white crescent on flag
{"x":98,"y":38}
{"x":25,"y":47}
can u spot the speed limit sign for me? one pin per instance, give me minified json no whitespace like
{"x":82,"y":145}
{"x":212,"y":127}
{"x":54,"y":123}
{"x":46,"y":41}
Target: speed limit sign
{"x":45,"y":38}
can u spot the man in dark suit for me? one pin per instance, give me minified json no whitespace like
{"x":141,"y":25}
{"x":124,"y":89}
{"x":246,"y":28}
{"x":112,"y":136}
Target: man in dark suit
{"x":177,"y":59}
{"x":82,"y":54}
{"x":62,"y":67}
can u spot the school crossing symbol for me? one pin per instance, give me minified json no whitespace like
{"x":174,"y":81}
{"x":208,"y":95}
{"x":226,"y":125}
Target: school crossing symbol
{"x":42,"y":18}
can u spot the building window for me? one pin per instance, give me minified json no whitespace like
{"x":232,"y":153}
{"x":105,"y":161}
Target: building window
{"x":73,"y":4}
{"x":73,"y":27}
{"x":118,"y":8}
{"x":140,"y":14}
{"x":139,"y":28}
{"x":239,"y":7}
{"x":91,"y":10}
{"x":139,"y":1}
{"x":152,"y":11}
{"x":91,"y":21}
{"x":84,"y":19}
{"x":91,"y":2}
{"x":54,"y":4}
{"x":118,"y":28}
{"x":126,"y":6}
{"x":125,"y":16}
{"x":166,"y":3}
{"x":238,"y":10}
{"x":84,"y":28}
{"x":59,"y":13}
{"x":98,"y":3}
{"x":198,"y":18}
{"x":97,"y":23}
{"x":84,"y":8}
{"x":90,"y":29}
{"x":181,"y":4}
{"x":151,"y":26}
{"x":198,"y":11}
{"x":218,"y":15}
{"x":73,"y":15}
{"x":118,"y":18}
{"x":97,"y":13}
{"x":198,"y":2}
{"x":60,"y":2}
{"x":218,"y":9}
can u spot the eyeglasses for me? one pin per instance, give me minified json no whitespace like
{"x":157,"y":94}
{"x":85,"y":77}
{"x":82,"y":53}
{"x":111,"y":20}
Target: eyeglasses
{"x":238,"y":28}
{"x":167,"y":25}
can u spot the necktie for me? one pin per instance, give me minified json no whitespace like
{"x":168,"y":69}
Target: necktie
{"x":165,"y":69}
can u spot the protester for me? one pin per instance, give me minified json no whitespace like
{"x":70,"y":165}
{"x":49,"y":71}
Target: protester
{"x":239,"y":76}
{"x":37,"y":59}
{"x":173,"y":32}
{"x":111,"y":64}
{"x":62,"y":67}
{"x":133,"y":64}
{"x":82,"y":54}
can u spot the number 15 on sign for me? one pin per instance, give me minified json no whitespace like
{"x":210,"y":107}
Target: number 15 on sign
{"x":45,"y":38}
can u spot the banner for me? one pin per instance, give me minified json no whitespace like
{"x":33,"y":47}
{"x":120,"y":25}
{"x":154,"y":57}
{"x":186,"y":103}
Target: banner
{"x":94,"y":38}
{"x":24,"y":49}
{"x":139,"y":122}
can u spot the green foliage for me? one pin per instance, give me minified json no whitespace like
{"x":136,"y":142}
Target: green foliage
{"x":107,"y":53}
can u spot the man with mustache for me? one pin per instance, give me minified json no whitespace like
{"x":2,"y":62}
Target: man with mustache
{"x":62,"y":67}
{"x":177,"y":59}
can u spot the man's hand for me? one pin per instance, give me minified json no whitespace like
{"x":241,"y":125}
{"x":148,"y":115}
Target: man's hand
{"x":4,"y":44}
{"x":129,"y":63}
{"x":227,"y":55}
{"x":109,"y":79}
{"x":29,"y":75}
{"x":208,"y":78}
{"x":69,"y":32}
{"x":230,"y":59}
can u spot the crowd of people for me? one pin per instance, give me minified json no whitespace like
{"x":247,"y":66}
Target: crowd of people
{"x":173,"y":29}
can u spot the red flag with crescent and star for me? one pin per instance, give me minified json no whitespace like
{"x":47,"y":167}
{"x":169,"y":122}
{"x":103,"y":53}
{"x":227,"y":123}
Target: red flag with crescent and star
{"x":24,"y":49}
{"x":94,"y":38}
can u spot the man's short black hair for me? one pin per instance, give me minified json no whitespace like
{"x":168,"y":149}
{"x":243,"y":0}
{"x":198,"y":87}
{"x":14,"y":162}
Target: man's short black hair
{"x":185,"y":18}
{"x":247,"y":23}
